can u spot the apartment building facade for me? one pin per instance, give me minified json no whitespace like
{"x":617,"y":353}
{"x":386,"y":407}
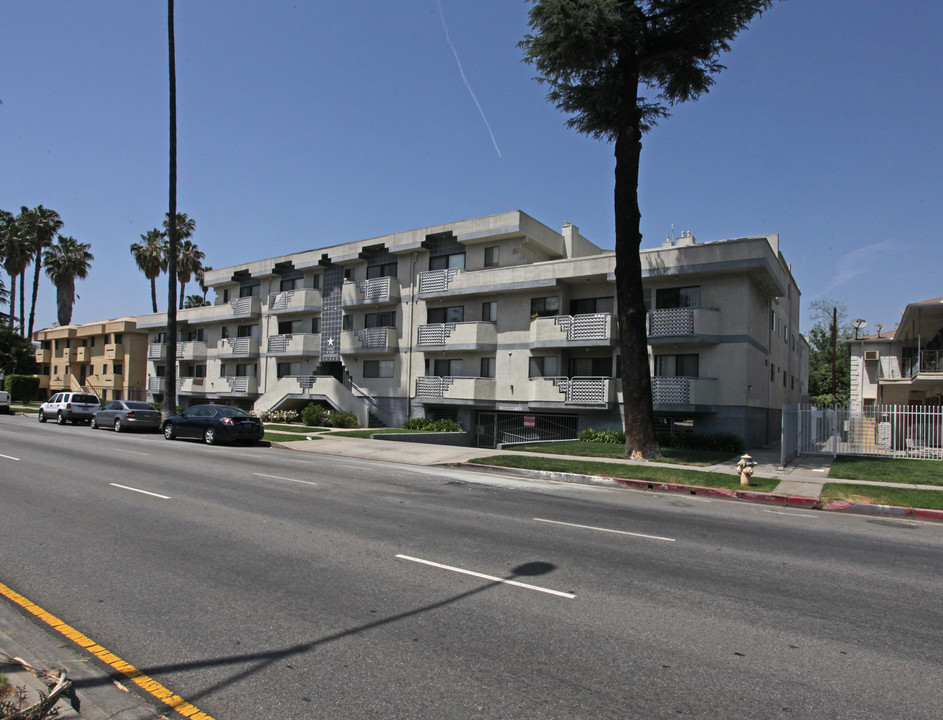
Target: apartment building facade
{"x":107,"y":358}
{"x":500,"y":323}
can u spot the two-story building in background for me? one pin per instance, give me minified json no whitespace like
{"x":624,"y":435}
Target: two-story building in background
{"x":105,"y":357}
{"x":500,"y":323}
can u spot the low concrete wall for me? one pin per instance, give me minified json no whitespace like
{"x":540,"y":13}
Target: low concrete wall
{"x":460,"y":439}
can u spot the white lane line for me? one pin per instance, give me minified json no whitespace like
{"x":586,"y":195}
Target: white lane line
{"x":280,"y":459}
{"x":131,"y":452}
{"x":569,"y":596}
{"x":143,"y":492}
{"x":600,"y":529}
{"x":792,"y":513}
{"x":279,"y":477}
{"x":10,"y":457}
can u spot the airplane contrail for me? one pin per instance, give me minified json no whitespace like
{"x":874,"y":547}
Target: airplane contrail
{"x":471,"y":92}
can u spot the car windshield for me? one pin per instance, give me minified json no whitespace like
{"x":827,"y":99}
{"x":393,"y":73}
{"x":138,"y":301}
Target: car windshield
{"x":233,"y":412}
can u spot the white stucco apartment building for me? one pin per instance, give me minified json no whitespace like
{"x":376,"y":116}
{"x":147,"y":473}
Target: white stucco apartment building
{"x":501,"y":323}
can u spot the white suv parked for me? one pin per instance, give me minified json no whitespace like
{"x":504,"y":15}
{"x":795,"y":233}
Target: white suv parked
{"x":77,"y":407}
{"x":4,"y":402}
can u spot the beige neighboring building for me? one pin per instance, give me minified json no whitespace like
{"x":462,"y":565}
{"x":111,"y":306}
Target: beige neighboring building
{"x":903,"y":366}
{"x":108,"y":358}
{"x":500,"y":323}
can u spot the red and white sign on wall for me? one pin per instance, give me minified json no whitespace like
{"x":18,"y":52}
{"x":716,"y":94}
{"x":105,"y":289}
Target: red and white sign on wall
{"x":530,"y":421}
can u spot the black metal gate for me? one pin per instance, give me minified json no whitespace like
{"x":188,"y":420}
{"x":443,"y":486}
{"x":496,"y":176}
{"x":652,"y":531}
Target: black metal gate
{"x":495,"y":428}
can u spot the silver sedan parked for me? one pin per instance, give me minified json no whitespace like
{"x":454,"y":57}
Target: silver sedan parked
{"x":127,"y":415}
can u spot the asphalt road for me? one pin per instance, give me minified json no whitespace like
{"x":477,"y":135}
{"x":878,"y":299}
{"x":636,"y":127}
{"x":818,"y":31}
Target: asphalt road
{"x":260,"y":583}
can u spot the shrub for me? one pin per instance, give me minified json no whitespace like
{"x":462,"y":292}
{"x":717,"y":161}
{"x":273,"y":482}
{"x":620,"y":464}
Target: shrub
{"x":416,"y":423}
{"x":343,"y":419}
{"x":277,"y":416}
{"x":22,"y":388}
{"x":602,"y":436}
{"x":444,"y":425}
{"x":314,"y":414}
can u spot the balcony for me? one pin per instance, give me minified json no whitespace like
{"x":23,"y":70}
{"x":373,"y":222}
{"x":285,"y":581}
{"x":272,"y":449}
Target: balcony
{"x":674,"y":323}
{"x":457,"y":336}
{"x":437,"y":281}
{"x":155,"y":385}
{"x":462,"y":390}
{"x":305,"y":300}
{"x":594,"y":330}
{"x":83,"y":354}
{"x":369,"y":341}
{"x":43,"y":356}
{"x":190,"y":385}
{"x":240,"y":385}
{"x":240,"y":309}
{"x":157,"y":351}
{"x":114,"y":352}
{"x":684,"y":391}
{"x":191,"y":350}
{"x":376,"y":291}
{"x":237,"y":347}
{"x":576,"y":391}
{"x":296,"y":344}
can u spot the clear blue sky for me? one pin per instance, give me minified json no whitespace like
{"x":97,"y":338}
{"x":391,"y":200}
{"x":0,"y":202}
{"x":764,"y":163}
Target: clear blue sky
{"x":303,"y":124}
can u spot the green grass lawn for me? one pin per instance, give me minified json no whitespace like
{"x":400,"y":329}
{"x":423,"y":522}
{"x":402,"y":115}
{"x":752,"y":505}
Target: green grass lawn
{"x":577,"y":448}
{"x":295,"y":428}
{"x":879,"y":495}
{"x":25,"y":409}
{"x":635,"y":472}
{"x":913,"y":472}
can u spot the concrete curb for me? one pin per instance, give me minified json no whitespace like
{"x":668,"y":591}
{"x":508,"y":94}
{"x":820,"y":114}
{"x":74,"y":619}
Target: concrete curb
{"x":796,"y":501}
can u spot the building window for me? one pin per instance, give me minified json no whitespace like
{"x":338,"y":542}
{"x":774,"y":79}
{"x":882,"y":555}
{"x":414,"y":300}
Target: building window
{"x":489,"y":311}
{"x":193,"y":371}
{"x":380,"y":320}
{"x":289,"y":327}
{"x":117,"y":338}
{"x":283,"y":369}
{"x":544,"y":306}
{"x":444,"y":368}
{"x":226,"y":295}
{"x":118,"y":370}
{"x":591,"y":306}
{"x":242,"y":370}
{"x":249,"y":290}
{"x":349,"y":274}
{"x":772,"y":372}
{"x":591,"y":367}
{"x":247,"y":331}
{"x":487,"y":367}
{"x":91,"y":342}
{"x":315,"y":325}
{"x":387,"y":269}
{"x":544,"y":366}
{"x":348,"y":322}
{"x":104,"y":370}
{"x":677,"y":365}
{"x":316,"y":282}
{"x":681,"y":297}
{"x":195,"y":335}
{"x":444,"y":262}
{"x":378,"y":368}
{"x":445,"y":314}
{"x":160,"y":370}
{"x":292,"y":283}
{"x":491,"y":256}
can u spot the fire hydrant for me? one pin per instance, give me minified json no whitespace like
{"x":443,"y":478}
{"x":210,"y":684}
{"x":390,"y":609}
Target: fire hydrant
{"x":745,"y":469}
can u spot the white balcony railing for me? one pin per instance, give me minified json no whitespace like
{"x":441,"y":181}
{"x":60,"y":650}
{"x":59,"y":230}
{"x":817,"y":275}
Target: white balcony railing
{"x":436,"y":280}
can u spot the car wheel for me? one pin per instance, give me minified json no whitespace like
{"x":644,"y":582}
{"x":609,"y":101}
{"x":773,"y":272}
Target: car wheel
{"x":209,"y":437}
{"x":117,"y":424}
{"x":93,"y":424}
{"x":42,"y":416}
{"x":169,"y":432}
{"x":60,"y":418}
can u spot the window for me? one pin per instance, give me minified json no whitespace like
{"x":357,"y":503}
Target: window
{"x":445,"y":368}
{"x":591,"y":367}
{"x":193,"y":371}
{"x":118,"y":370}
{"x":117,"y":338}
{"x":348,"y":322}
{"x":284,"y":369}
{"x":160,"y":371}
{"x":444,"y":262}
{"x":316,"y":282}
{"x":315,"y":325}
{"x":676,"y":365}
{"x":378,"y":368}
{"x":247,"y":331}
{"x":249,"y":290}
{"x":226,"y":295}
{"x":681,"y":297}
{"x":243,"y":370}
{"x":446,"y":314}
{"x":772,"y":372}
{"x":487,"y":367}
{"x":380,"y":320}
{"x":349,"y":274}
{"x":195,"y":335}
{"x":546,"y":366}
{"x":591,"y":306}
{"x":491,"y":256}
{"x":544,"y":306}
{"x":104,"y":370}
{"x":91,"y":342}
{"x":290,"y":283}
{"x":489,"y":311}
{"x":387,"y":269}
{"x":772,"y":321}
{"x":289,"y":327}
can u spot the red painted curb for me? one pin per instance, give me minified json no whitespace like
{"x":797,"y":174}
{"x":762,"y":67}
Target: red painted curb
{"x":925,"y":514}
{"x":674,"y":487}
{"x":866,"y":509}
{"x":786,"y":500}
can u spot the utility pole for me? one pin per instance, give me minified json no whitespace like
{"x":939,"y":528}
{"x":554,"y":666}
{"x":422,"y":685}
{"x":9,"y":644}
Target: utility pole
{"x":834,"y":350}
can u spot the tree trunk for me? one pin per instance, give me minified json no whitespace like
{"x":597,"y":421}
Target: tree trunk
{"x":154,"y":294}
{"x":170,"y":376}
{"x":13,"y":302}
{"x":630,"y":299}
{"x":183,"y":286}
{"x":22,"y":303}
{"x":65,"y":299}
{"x":32,"y":308}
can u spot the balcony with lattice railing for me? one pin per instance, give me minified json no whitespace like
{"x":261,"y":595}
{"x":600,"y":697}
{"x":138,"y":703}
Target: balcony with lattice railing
{"x":447,"y":389}
{"x":457,"y":336}
{"x":302,"y":300}
{"x":369,"y":341}
{"x":590,"y":330}
{"x":575,"y":391}
{"x":237,"y":347}
{"x":294,"y":344}
{"x":375,"y":291}
{"x":673,"y":323}
{"x":684,"y":391}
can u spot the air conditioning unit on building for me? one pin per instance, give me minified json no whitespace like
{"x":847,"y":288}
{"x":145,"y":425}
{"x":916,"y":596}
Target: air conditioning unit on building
{"x":871,"y":355}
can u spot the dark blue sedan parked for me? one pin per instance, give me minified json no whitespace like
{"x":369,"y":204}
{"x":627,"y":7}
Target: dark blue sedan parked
{"x":214,"y":424}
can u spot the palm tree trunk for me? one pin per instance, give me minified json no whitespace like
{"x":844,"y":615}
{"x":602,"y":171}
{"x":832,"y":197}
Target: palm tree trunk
{"x":32,"y":308}
{"x":170,"y":376}
{"x":154,"y":294}
{"x":183,"y":286}
{"x":13,"y":302}
{"x":65,"y":299}
{"x":22,"y":294}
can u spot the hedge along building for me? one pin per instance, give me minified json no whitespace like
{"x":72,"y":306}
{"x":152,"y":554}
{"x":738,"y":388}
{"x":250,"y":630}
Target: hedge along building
{"x":500,"y":323}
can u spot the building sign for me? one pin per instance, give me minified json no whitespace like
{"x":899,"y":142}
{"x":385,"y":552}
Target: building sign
{"x":530,"y":421}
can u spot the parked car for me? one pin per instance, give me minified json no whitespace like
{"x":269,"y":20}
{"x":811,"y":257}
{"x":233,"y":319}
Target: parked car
{"x":127,"y":415}
{"x":75,"y":407}
{"x":214,"y":424}
{"x":4,"y":402}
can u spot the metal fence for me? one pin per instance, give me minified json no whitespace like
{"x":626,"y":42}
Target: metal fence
{"x":895,"y":431}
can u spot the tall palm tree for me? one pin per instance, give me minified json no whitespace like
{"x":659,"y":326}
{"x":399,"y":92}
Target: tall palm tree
{"x":189,"y":261}
{"x":193,"y":301}
{"x":38,"y":227}
{"x":16,"y":257}
{"x":200,"y":276}
{"x":170,"y":375}
{"x":151,"y":259}
{"x":186,"y":226}
{"x":65,"y":261}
